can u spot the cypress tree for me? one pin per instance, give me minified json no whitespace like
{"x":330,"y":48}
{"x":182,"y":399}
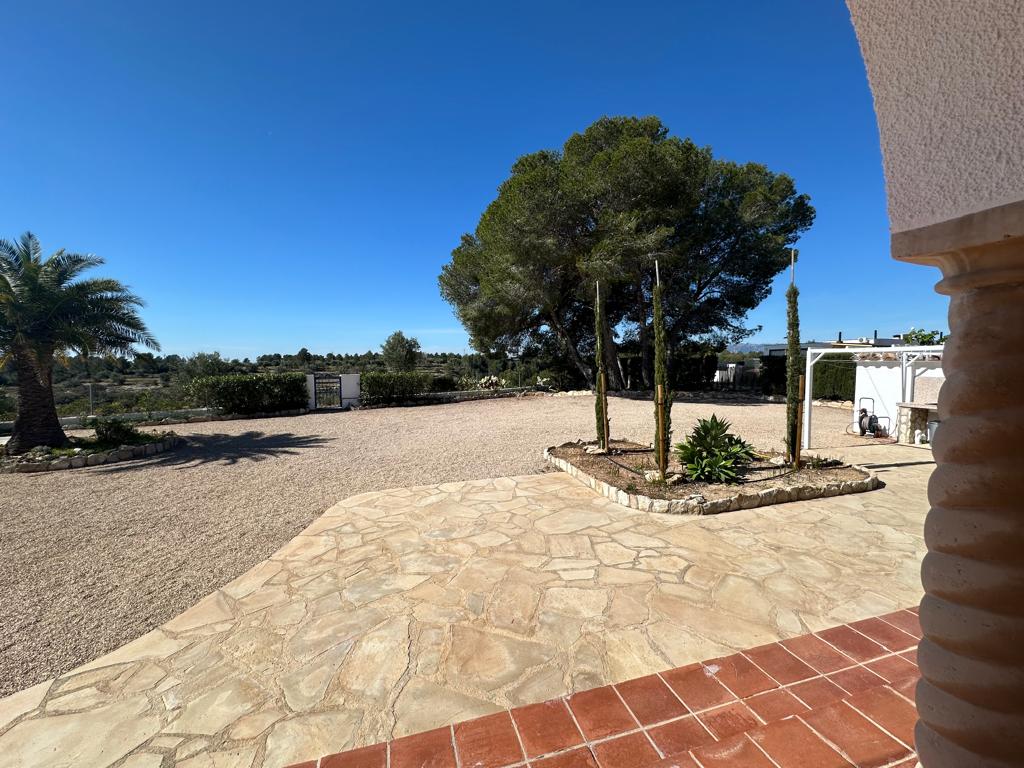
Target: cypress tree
{"x":601,"y":400}
{"x":793,"y":393}
{"x":662,"y":415}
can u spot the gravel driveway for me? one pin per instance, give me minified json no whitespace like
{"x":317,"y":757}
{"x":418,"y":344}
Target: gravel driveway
{"x":92,"y":558}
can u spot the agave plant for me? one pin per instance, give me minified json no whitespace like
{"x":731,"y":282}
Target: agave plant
{"x":46,"y":311}
{"x":713,"y":454}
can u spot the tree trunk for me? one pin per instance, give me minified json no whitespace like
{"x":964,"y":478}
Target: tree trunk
{"x":574,"y":353}
{"x":37,"y":422}
{"x":613,"y":368}
{"x":646,"y":363}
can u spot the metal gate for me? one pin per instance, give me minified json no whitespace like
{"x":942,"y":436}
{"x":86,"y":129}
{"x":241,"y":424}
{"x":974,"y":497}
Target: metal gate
{"x":327,"y":391}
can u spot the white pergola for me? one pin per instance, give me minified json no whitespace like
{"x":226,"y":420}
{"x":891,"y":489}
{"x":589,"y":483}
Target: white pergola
{"x":907,"y":357}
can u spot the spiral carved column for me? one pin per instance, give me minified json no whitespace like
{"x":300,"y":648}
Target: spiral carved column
{"x":971,"y":696}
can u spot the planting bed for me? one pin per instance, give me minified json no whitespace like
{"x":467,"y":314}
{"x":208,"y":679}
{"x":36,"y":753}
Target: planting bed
{"x":619,"y":475}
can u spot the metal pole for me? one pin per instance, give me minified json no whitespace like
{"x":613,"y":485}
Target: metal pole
{"x":808,"y":390}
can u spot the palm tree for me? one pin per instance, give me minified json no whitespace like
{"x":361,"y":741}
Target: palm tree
{"x":45,"y":312}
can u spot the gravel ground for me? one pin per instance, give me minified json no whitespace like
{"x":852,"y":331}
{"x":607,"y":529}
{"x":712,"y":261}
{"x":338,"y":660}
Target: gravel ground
{"x":92,"y":558}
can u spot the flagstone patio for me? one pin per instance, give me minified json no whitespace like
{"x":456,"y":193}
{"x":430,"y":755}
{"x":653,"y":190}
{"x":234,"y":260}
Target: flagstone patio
{"x":404,"y":610}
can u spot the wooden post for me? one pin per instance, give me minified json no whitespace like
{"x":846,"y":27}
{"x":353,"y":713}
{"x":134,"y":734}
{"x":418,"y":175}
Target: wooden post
{"x":799,"y":427}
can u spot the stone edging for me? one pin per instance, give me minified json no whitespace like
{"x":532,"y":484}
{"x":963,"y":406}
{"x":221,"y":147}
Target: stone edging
{"x":742,"y":500}
{"x":124,"y":453}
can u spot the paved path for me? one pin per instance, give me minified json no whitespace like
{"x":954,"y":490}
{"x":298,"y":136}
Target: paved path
{"x":402,"y":610}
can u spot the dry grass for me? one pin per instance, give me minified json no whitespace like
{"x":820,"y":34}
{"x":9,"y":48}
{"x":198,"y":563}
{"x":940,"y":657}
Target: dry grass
{"x":93,"y":558}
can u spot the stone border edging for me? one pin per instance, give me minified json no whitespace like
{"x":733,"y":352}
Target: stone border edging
{"x":113,"y":456}
{"x":742,"y":500}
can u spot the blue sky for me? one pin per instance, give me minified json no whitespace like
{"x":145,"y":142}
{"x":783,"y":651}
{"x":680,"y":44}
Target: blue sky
{"x":276,"y":175}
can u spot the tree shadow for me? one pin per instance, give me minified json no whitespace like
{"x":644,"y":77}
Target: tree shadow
{"x":223,"y":449}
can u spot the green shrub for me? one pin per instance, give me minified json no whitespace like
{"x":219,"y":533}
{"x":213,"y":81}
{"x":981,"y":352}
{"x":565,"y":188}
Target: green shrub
{"x":7,"y":406}
{"x":116,"y":432}
{"x":835,"y":376}
{"x":712,"y":454}
{"x":385,"y":387}
{"x":444,"y":383}
{"x":250,"y":393}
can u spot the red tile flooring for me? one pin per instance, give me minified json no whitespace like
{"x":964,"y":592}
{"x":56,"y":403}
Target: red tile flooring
{"x":841,"y":698}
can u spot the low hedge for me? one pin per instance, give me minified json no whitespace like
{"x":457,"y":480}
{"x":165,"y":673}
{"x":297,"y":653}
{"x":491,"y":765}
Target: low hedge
{"x":251,"y":393}
{"x":835,"y":376}
{"x":384,"y":387}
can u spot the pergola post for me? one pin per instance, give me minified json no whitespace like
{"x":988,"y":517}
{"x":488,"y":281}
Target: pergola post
{"x":805,"y":439}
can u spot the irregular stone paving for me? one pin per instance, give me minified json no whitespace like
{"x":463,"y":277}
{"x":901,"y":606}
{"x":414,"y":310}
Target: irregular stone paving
{"x":402,"y":610}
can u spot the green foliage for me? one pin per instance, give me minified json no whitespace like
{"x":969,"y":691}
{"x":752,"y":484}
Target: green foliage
{"x":383,"y":388}
{"x":835,"y":376}
{"x":444,"y":383}
{"x":919,"y":337}
{"x":793,"y":393}
{"x":400,"y":352}
{"x":663,"y":415}
{"x":600,"y":381}
{"x":615,"y":196}
{"x":116,"y":432}
{"x":7,"y":406}
{"x":48,"y":309}
{"x":242,"y":394}
{"x":712,"y":454}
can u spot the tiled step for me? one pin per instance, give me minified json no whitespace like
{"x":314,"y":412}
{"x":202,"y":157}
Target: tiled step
{"x":839,"y":698}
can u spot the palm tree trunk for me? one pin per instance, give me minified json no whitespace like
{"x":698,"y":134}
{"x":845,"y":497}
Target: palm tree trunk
{"x":37,"y":422}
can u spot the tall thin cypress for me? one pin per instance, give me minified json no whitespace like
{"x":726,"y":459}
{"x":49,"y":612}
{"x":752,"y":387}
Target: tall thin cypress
{"x":793,"y":394}
{"x":600,"y":387}
{"x":662,"y":396}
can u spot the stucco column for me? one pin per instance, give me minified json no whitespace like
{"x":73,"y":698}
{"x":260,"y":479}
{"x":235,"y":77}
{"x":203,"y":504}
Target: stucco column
{"x":971,"y":696}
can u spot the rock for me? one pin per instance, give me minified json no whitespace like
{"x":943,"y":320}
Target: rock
{"x":778,"y":461}
{"x":78,"y":461}
{"x":64,"y":463}
{"x":596,"y":450}
{"x":653,"y":476}
{"x":674,"y":479}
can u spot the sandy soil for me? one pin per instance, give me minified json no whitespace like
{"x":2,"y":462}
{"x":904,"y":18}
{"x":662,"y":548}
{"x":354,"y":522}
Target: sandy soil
{"x":92,"y":558}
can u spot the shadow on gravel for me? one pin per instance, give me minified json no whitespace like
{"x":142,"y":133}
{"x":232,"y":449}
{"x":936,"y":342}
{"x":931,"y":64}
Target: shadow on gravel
{"x":225,"y":450}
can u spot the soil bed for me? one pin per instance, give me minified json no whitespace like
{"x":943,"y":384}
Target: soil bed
{"x":623,"y":468}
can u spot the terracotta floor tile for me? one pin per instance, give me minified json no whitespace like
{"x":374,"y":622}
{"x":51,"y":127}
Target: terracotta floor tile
{"x":893,"y":668}
{"x":905,"y":620}
{"x":818,"y":692}
{"x":916,"y":610}
{"x":856,"y":679}
{"x":431,"y":749}
{"x":775,"y":705}
{"x":680,"y":736}
{"x":739,"y":675}
{"x":546,"y":727}
{"x":736,"y":752}
{"x":911,"y":763}
{"x":853,"y":644}
{"x":625,"y":752}
{"x":307,"y":764}
{"x":679,"y":761}
{"x":650,"y":699}
{"x":885,"y":634}
{"x":859,"y":739}
{"x":780,"y":663}
{"x":488,"y":742}
{"x":889,"y":710}
{"x":818,"y":654}
{"x":577,"y":758}
{"x":601,"y":713}
{"x":910,"y":656}
{"x":907,"y":688}
{"x":697,"y":688}
{"x":367,"y":757}
{"x":791,"y":744}
{"x":729,"y":720}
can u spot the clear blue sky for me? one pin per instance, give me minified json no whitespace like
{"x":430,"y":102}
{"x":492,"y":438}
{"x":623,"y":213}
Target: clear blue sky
{"x":276,"y":175}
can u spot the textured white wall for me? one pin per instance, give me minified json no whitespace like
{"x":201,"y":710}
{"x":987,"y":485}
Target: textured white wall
{"x":948,"y":83}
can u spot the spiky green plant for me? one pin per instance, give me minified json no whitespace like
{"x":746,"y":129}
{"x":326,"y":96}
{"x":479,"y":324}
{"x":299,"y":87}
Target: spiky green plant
{"x":46,"y":312}
{"x":663,"y":415}
{"x":713,"y":454}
